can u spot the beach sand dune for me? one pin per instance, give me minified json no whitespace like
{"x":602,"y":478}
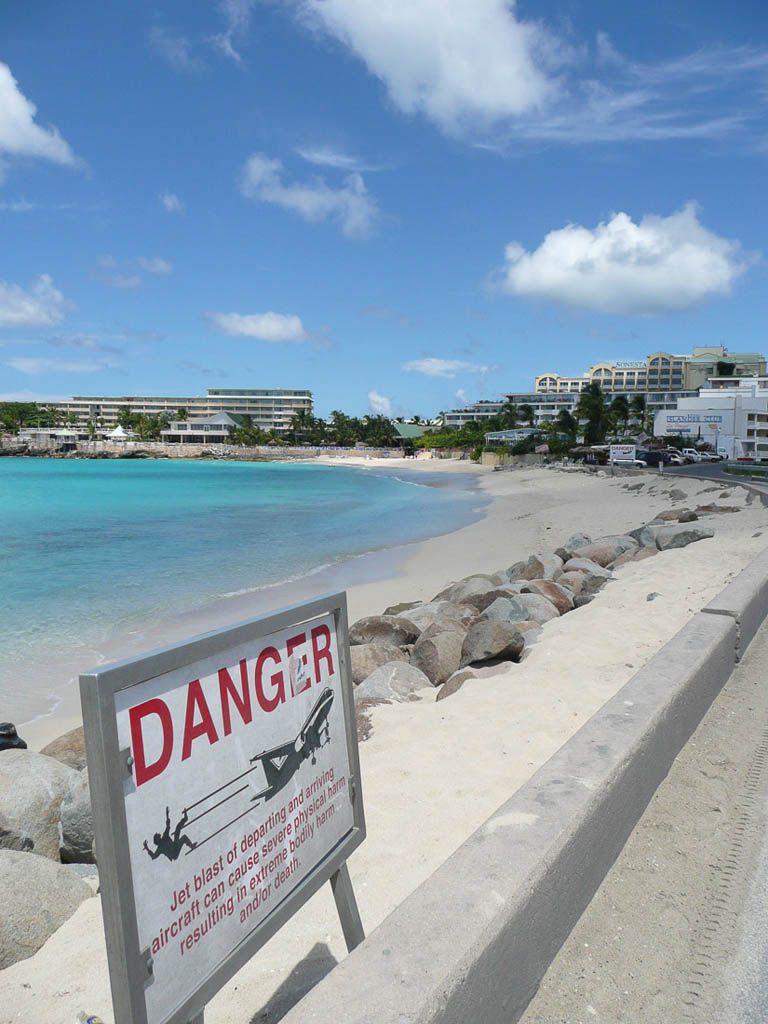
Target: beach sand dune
{"x":433,"y":772}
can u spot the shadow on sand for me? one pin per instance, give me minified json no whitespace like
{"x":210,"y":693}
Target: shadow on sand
{"x":305,"y":975}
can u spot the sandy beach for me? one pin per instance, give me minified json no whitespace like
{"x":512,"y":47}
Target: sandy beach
{"x":458,"y":759}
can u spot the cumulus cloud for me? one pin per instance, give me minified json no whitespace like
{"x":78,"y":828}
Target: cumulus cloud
{"x":155,"y":265}
{"x":433,"y":367}
{"x":461,"y":396}
{"x":271,"y":327}
{"x":349,"y":206}
{"x":659,"y":265}
{"x":474,"y":59}
{"x":41,"y":306}
{"x":171,"y":202}
{"x":20,"y":135}
{"x":380,"y":405}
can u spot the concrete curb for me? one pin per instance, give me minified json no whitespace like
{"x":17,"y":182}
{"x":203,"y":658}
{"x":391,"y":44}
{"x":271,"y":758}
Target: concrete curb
{"x":473,"y":941}
{"x":745,"y":600}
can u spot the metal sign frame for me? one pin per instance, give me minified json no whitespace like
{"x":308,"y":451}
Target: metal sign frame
{"x":130,"y":968}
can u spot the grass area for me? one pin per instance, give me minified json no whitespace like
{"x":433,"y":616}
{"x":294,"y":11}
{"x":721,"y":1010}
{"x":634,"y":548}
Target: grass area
{"x":744,"y":471}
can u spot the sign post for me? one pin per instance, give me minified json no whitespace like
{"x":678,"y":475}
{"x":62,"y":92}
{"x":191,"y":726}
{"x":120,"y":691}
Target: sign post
{"x":225,"y":785}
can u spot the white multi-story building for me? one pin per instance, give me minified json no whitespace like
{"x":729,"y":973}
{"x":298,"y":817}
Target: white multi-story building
{"x":269,"y":408}
{"x":734,"y":419}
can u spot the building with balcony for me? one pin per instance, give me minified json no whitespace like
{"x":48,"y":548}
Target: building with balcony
{"x":733,"y":420}
{"x":269,"y":408}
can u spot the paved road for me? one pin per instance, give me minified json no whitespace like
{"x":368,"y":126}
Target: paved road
{"x":678,"y":931}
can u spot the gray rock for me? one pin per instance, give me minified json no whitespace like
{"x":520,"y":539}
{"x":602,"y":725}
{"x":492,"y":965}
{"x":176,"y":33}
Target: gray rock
{"x":37,"y":897}
{"x":394,"y":681}
{"x":574,"y":581}
{"x":484,"y":600}
{"x":724,"y":494}
{"x":398,"y":609}
{"x":364,"y":658}
{"x":635,"y":487}
{"x":681,"y":536}
{"x":578,"y":540}
{"x":437,"y":653}
{"x":457,"y":592}
{"x":687,"y":516}
{"x":653,"y":595}
{"x":583,"y":598}
{"x":443,"y":613}
{"x":455,"y":682}
{"x":677,"y":495}
{"x":560,"y":596}
{"x":646,"y":535}
{"x":12,"y":839}
{"x":505,"y":609}
{"x":69,"y":749}
{"x":76,"y":845}
{"x":607,"y":549}
{"x":587,"y":566}
{"x":539,"y":608}
{"x":383,"y":629}
{"x":537,"y":567}
{"x":9,"y":738}
{"x":486,"y":641}
{"x":32,"y":788}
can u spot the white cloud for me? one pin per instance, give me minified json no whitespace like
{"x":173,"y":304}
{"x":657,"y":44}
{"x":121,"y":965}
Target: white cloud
{"x":175,"y":50}
{"x":659,"y":265}
{"x":20,"y":136}
{"x":171,"y":202}
{"x":29,"y":396}
{"x":461,"y":396}
{"x":433,"y":367}
{"x":350,"y":205}
{"x":379,"y":404}
{"x":41,"y":306}
{"x":271,"y":327}
{"x":236,"y":16}
{"x":457,"y":63}
{"x":18,"y":206}
{"x":155,"y":265}
{"x":126,"y":281}
{"x":327,"y":156}
{"x":34,"y":366}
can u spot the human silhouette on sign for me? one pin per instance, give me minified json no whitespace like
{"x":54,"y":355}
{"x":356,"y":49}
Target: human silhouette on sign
{"x":167,"y":846}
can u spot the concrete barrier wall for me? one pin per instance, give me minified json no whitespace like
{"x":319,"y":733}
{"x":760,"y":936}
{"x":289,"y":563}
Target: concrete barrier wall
{"x":473,"y":941}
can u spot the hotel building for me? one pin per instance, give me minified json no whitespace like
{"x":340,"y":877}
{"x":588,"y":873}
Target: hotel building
{"x":269,"y":408}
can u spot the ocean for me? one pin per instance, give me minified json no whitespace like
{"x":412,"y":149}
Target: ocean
{"x":104,"y":559}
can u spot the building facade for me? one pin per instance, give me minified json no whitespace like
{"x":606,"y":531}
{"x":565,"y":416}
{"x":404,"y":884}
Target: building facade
{"x":269,"y":408}
{"x":733,"y":420}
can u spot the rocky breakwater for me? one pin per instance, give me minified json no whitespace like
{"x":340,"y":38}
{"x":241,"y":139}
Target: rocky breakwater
{"x":485,"y":620}
{"x":46,"y":833}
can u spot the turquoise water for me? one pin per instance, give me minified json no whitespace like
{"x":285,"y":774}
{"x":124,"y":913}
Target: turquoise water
{"x":93,"y":551}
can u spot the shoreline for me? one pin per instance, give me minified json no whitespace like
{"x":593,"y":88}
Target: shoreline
{"x":358,"y":575}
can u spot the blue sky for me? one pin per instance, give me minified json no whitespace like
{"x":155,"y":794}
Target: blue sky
{"x":400,"y":204}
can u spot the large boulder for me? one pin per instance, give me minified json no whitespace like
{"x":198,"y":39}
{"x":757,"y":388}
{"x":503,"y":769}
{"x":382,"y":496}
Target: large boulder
{"x":607,"y":549}
{"x":404,"y":606}
{"x":76,"y":846}
{"x":574,"y":581}
{"x":394,"y":681}
{"x":681,"y":536}
{"x":437,"y":653}
{"x":383,"y":629}
{"x":485,"y":599}
{"x":505,"y":609}
{"x":11,"y":837}
{"x":364,"y":658}
{"x":458,"y":592}
{"x":538,"y":607}
{"x":587,"y":566}
{"x":9,"y":738}
{"x":37,"y":897}
{"x":537,"y":567}
{"x":486,"y":641}
{"x":560,"y":596}
{"x":455,"y":683}
{"x":69,"y":748}
{"x":646,"y":535}
{"x":32,"y":788}
{"x":443,"y":613}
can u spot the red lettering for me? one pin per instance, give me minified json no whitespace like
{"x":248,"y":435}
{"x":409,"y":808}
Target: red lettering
{"x":227,"y":690}
{"x":205,"y":727}
{"x":144,"y":771}
{"x":321,"y":653}
{"x":277,"y":680}
{"x":301,"y":682}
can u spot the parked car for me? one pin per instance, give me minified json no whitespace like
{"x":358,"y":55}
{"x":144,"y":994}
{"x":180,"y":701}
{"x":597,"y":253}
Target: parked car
{"x":653,"y":458}
{"x":630,"y":462}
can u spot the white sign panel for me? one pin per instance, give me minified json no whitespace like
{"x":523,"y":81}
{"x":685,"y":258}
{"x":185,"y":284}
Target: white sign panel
{"x":622,"y":452}
{"x":241,"y":784}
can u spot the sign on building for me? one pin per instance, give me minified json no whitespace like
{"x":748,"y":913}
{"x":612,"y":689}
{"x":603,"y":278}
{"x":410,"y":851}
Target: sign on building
{"x":622,"y":452}
{"x":225,"y":787}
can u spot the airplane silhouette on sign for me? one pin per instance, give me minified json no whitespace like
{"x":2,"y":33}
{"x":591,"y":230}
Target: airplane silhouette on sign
{"x":281,"y":763}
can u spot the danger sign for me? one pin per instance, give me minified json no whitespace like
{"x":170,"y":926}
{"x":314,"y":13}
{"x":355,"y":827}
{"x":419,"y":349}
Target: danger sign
{"x":234,"y":762}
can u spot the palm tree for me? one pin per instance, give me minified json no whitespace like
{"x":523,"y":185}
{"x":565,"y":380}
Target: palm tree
{"x":509,"y":415}
{"x":566,"y":423}
{"x":620,"y":411}
{"x":592,"y":408}
{"x":526,"y":413}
